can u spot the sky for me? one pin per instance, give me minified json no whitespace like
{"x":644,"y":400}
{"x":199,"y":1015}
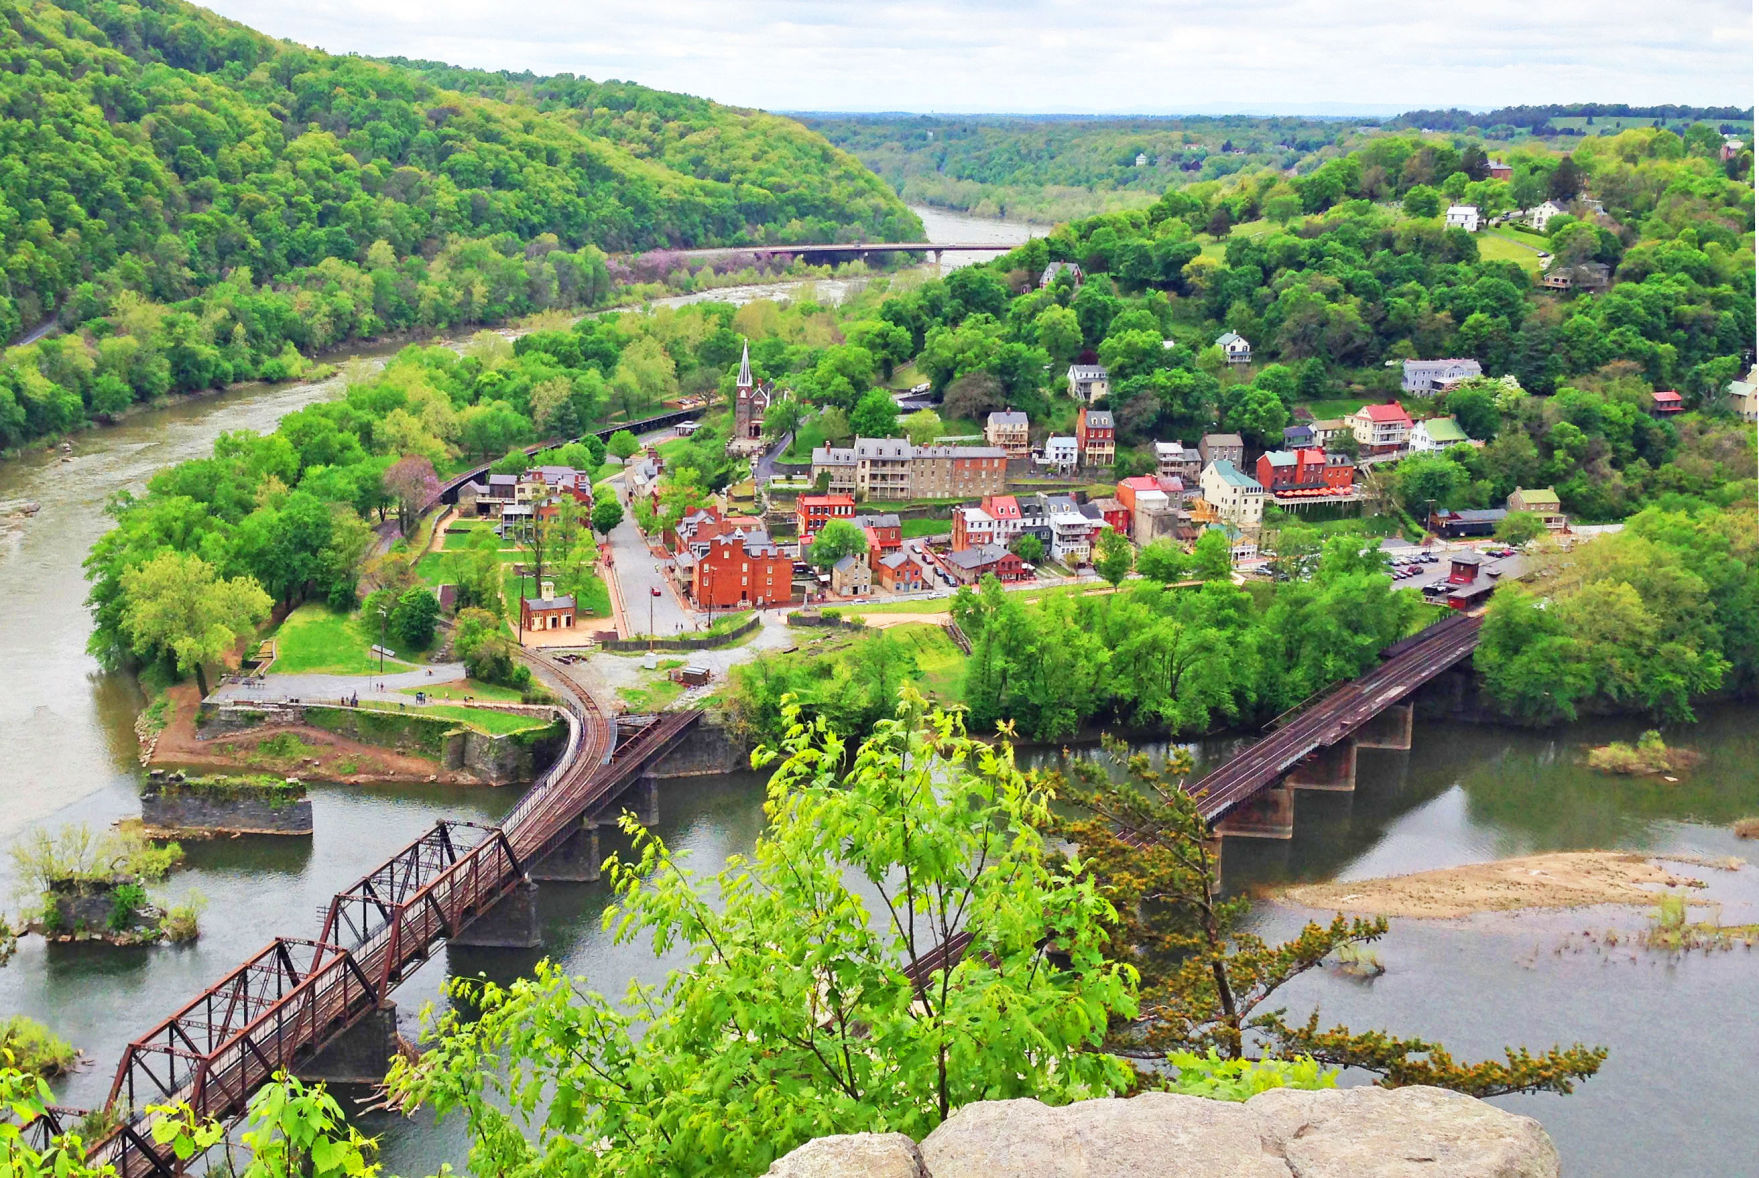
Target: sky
{"x":1073,"y":56}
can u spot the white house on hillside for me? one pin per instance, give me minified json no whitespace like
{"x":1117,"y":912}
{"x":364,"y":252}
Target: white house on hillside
{"x":1540,"y":216}
{"x":1234,"y":348}
{"x":1463,"y":217}
{"x":1088,"y":382}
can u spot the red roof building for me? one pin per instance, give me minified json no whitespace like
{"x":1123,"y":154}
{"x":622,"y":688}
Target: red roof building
{"x":1380,"y":429}
{"x":812,"y":512}
{"x":1305,"y":473}
{"x":1667,"y":403}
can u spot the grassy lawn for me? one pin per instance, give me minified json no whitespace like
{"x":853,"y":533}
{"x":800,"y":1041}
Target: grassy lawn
{"x":1526,"y":237}
{"x":317,"y":640}
{"x":482,"y":719}
{"x":905,"y":376}
{"x":1492,"y":248}
{"x":915,"y":529}
{"x":653,"y":698}
{"x":471,"y":688}
{"x":800,"y":447}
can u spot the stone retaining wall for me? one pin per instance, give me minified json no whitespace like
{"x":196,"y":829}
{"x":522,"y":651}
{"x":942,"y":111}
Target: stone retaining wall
{"x":246,"y":811}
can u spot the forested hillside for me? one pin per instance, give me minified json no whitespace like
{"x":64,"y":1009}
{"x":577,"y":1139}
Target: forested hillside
{"x":206,"y":202}
{"x":1052,"y":169}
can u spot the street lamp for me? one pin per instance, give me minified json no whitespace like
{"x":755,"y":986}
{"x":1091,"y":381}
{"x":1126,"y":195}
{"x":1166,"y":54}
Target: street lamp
{"x":652,"y":593}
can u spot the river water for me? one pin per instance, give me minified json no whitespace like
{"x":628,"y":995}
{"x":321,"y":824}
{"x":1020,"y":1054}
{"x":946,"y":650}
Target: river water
{"x":1672,"y":1099}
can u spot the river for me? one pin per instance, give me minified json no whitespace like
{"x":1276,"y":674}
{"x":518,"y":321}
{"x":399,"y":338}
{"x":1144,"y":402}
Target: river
{"x":1680,"y":1032}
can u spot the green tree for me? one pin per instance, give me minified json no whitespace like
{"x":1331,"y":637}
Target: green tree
{"x":1114,"y":557}
{"x":1424,"y":479}
{"x":875,"y":415}
{"x":1058,"y":332}
{"x":1208,"y":981}
{"x":837,"y":539}
{"x":1422,"y":201}
{"x":1162,"y":561}
{"x":782,"y":945}
{"x":413,"y":618}
{"x":1212,"y":557}
{"x":623,"y":445}
{"x":607,"y":513}
{"x":1028,"y":548}
{"x":1519,"y":528}
{"x":176,"y":607}
{"x":922,"y":426}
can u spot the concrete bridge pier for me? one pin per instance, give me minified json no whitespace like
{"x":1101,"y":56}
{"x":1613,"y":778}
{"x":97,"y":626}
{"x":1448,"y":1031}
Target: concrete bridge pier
{"x":647,"y":801}
{"x":578,"y":860}
{"x":360,"y":1055}
{"x":1270,"y":815}
{"x":1391,"y":729}
{"x":1331,"y":769}
{"x":511,"y":924}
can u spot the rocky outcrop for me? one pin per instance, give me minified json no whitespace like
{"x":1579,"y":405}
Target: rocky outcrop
{"x":1348,"y":1133}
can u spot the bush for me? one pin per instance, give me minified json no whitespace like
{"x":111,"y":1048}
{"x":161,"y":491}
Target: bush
{"x":179,"y":924}
{"x":125,"y":905}
{"x":31,"y":1047}
{"x":1215,"y":1078}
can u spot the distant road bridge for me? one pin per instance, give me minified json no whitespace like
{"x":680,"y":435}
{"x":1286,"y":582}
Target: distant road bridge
{"x":836,"y":251}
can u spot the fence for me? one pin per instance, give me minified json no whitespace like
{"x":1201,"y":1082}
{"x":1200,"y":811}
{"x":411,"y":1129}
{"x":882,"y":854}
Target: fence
{"x":727,"y":637}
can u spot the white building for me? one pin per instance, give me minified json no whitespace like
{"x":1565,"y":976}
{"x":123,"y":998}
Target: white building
{"x":1062,"y":453}
{"x":1436,"y":433}
{"x":1425,"y":378}
{"x":1463,"y":217}
{"x":1540,"y":215}
{"x":1234,"y":348}
{"x":1236,"y":497}
{"x":1743,"y":395}
{"x":1071,"y":532}
{"x":1088,"y":382}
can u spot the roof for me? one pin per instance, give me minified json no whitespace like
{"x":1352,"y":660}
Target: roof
{"x":1003,"y":506}
{"x":883,"y":448}
{"x":888,"y":520}
{"x":1178,"y":448}
{"x":1462,"y":210}
{"x":1087,"y":371}
{"x":1106,"y":504}
{"x":549,"y":602}
{"x":1229,"y":474}
{"x":833,"y":456}
{"x":1537,"y":496}
{"x":976,"y":558}
{"x":838,"y":500}
{"x":1281,"y":458}
{"x":1228,"y":339}
{"x":1059,"y":441}
{"x":1330,"y":424}
{"x":1384,"y":414}
{"x":1475,"y":515}
{"x":1140,"y":482}
{"x":1214,"y":440}
{"x":897,"y":560}
{"x":1297,"y":430}
{"x":1008,"y":417}
{"x":1667,"y":397}
{"x":849,"y":562}
{"x":1444,"y":429}
{"x":1099,"y":419}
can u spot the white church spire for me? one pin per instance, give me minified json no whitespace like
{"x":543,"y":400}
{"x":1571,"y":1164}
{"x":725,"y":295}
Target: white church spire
{"x":745,"y":380}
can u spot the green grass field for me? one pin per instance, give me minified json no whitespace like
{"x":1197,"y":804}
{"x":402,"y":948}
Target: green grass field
{"x":940,"y":666}
{"x":1492,"y":248}
{"x":1333,"y":407}
{"x":316,"y":640}
{"x":915,"y":529}
{"x":482,"y":719}
{"x":653,"y":698}
{"x":470,"y":687}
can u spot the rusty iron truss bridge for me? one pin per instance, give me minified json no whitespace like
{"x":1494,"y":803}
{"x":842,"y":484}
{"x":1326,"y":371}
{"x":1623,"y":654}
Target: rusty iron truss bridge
{"x":281,"y":1008}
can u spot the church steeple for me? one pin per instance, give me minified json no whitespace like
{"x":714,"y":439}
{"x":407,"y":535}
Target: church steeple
{"x":745,"y":380}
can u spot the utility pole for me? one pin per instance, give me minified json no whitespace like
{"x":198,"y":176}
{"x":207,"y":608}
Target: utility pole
{"x":652,"y":593}
{"x":383,"y":611}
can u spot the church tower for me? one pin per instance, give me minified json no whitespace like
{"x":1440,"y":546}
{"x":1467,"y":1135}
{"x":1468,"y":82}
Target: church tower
{"x":749,"y":401}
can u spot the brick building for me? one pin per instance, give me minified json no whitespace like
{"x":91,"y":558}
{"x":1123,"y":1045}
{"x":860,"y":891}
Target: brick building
{"x":1096,"y":436}
{"x":812,"y":512}
{"x":741,"y":570}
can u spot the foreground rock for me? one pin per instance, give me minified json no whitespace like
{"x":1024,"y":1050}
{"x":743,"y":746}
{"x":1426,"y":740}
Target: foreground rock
{"x":1351,"y":1133}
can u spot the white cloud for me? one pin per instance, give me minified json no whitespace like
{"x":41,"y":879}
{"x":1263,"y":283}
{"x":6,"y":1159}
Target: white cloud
{"x":1072,"y":55}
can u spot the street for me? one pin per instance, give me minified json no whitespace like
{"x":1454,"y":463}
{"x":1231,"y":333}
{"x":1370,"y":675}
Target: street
{"x":638,"y":574}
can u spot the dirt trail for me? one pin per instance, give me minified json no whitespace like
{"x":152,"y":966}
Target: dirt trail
{"x":1569,"y":879}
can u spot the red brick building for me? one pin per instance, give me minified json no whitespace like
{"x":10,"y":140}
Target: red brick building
{"x":1095,"y":437}
{"x":884,"y":533}
{"x":1305,"y":473}
{"x":740,"y":571}
{"x":1114,"y":513}
{"x":812,"y":512}
{"x":901,"y":573}
{"x":973,"y":564}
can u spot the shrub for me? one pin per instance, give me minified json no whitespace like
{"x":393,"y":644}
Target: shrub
{"x":31,"y":1047}
{"x":1215,"y":1078}
{"x":125,"y":902}
{"x":180,"y":923}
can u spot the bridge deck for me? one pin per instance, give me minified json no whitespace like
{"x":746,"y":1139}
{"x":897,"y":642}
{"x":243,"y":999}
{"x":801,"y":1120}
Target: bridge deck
{"x":1411,"y":663}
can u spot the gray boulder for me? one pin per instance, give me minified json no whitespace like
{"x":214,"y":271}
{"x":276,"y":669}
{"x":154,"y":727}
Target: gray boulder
{"x":855,"y":1155}
{"x":1351,"y":1133}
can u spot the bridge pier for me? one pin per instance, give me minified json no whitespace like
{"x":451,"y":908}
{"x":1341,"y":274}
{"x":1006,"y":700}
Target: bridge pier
{"x":1270,"y":815}
{"x":511,"y":924}
{"x":1332,"y":769}
{"x":1391,"y":729}
{"x":647,"y":801}
{"x":577,"y":860}
{"x":361,"y":1054}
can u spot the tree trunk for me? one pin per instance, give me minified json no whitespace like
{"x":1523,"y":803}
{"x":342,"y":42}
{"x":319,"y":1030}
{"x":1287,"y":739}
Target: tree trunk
{"x":201,"y":680}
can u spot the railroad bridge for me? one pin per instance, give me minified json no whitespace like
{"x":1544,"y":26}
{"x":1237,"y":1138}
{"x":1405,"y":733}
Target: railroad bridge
{"x":1314,"y":745}
{"x":322,"y":1008}
{"x":819,"y":253}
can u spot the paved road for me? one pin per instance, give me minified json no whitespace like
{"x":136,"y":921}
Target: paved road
{"x":311,"y":688}
{"x":765,"y":469}
{"x":638,"y":575}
